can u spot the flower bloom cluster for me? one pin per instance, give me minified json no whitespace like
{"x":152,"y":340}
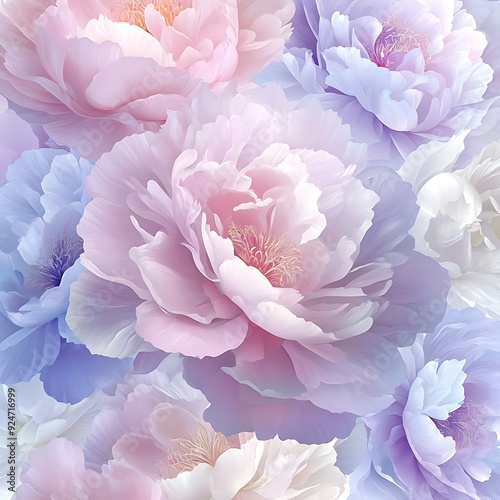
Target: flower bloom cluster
{"x":250,"y":249}
{"x":150,"y":442}
{"x":400,"y":73}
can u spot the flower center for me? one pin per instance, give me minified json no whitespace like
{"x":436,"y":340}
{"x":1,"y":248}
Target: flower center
{"x":462,"y":425}
{"x":202,"y":447}
{"x":395,"y":41}
{"x":278,"y":259}
{"x":132,"y":11}
{"x":49,"y":271}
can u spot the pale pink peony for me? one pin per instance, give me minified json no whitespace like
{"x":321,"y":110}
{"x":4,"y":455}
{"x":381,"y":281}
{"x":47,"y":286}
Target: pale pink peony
{"x":99,"y":70}
{"x":241,"y":228}
{"x":150,"y":442}
{"x":198,"y":195}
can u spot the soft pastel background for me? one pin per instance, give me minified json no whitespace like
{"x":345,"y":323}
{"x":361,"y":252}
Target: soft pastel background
{"x":250,"y":249}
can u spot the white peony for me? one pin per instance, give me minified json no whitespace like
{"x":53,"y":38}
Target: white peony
{"x":459,"y":219}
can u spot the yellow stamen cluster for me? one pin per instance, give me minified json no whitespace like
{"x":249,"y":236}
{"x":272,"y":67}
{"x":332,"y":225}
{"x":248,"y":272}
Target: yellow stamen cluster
{"x":397,"y":37}
{"x":132,"y":11}
{"x":277,"y":258}
{"x":202,"y":447}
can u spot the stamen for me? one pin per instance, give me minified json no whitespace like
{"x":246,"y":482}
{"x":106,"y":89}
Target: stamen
{"x":57,"y":260}
{"x":202,"y":447}
{"x":462,"y":425}
{"x":278,"y":259}
{"x":132,"y":11}
{"x":397,"y":38}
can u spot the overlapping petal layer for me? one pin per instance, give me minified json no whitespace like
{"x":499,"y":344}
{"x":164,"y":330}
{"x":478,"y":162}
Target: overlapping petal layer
{"x":42,"y":202}
{"x":439,"y":438}
{"x":96,"y":72}
{"x":237,"y":229}
{"x":399,"y":72}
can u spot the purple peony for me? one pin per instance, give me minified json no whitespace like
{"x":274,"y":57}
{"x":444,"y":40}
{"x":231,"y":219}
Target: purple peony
{"x":399,"y":72}
{"x":438,"y":440}
{"x":487,"y":16}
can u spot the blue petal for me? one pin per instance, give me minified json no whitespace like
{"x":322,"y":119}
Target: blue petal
{"x":238,"y":408}
{"x":77,"y":373}
{"x":24,"y":353}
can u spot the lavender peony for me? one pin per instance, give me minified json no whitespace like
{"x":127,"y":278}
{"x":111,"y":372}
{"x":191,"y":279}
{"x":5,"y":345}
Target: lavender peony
{"x":399,"y":72}
{"x":439,"y":440}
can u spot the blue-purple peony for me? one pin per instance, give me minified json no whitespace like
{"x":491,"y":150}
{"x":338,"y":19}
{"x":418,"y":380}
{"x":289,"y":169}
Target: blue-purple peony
{"x":439,"y":440}
{"x":399,"y":72}
{"x":41,"y":204}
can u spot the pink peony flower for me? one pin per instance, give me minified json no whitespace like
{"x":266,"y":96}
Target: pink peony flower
{"x":100,"y":70}
{"x":239,"y":228}
{"x":150,"y":442}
